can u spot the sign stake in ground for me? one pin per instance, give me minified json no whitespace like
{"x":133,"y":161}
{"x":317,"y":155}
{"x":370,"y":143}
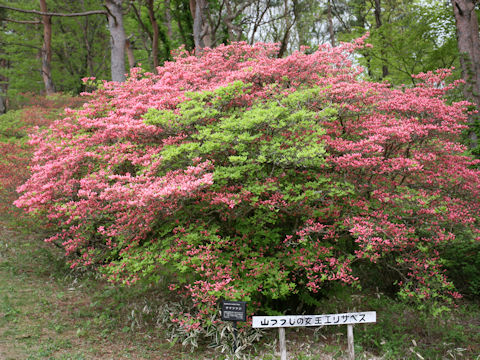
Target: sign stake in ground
{"x":234,"y":311}
{"x":351,"y":347}
{"x":282,"y":343}
{"x":282,"y":322}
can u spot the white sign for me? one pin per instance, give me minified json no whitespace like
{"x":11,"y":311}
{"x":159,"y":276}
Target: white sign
{"x":313,"y":320}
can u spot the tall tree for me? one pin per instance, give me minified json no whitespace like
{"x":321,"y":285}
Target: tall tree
{"x":202,"y":30}
{"x":407,"y":37}
{"x":258,"y":12}
{"x":87,"y":37}
{"x":155,"y":30}
{"x":469,"y":47}
{"x":378,"y":22}
{"x":47,"y":49}
{"x":289,"y":22}
{"x":117,"y":39}
{"x":66,"y":61}
{"x":3,"y":87}
{"x":182,"y":14}
{"x":330,"y":23}
{"x":168,"y":18}
{"x":3,"y":78}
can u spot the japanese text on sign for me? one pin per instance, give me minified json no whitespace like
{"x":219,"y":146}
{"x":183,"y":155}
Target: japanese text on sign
{"x":234,"y":310}
{"x":313,"y":320}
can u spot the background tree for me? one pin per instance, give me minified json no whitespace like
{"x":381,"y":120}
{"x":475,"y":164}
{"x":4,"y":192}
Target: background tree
{"x":3,"y":66}
{"x":202,"y":30}
{"x":22,"y":64}
{"x":47,"y":49}
{"x":466,"y":18}
{"x":115,"y":17}
{"x":117,"y":39}
{"x":22,"y":52}
{"x":148,"y":15}
{"x":88,"y":38}
{"x":407,"y":38}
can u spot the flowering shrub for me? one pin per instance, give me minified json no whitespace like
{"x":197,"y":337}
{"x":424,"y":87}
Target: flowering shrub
{"x":13,"y":159}
{"x":249,"y":177}
{"x":15,"y":153}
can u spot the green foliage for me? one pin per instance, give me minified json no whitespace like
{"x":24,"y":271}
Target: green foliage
{"x":413,"y":38}
{"x":80,"y":48}
{"x":462,"y":261}
{"x":12,"y":126}
{"x":276,"y":138}
{"x":19,"y":59}
{"x":241,"y":130}
{"x":80,"y":45}
{"x":402,"y":332}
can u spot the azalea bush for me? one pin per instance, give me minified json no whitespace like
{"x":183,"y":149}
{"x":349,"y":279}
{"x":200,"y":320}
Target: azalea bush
{"x":15,"y":152}
{"x":248,"y":177}
{"x":13,"y":158}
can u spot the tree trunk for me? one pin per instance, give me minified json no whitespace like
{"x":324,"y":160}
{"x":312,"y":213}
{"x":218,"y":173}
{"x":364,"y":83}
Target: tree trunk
{"x":153,"y":21}
{"x":47,"y":50}
{"x":228,"y":20}
{"x":469,"y":47}
{"x":202,"y":31}
{"x":259,"y":15}
{"x":168,"y":19}
{"x":360,"y":22}
{"x":3,"y":103}
{"x":117,"y":39}
{"x":288,"y":26}
{"x":4,"y":64}
{"x":378,"y":21}
{"x":330,"y":23}
{"x":88,"y":47}
{"x":298,"y":11}
{"x":130,"y":56}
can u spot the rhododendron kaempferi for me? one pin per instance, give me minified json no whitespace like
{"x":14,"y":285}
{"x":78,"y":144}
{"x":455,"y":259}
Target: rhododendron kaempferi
{"x":14,"y":150}
{"x":248,"y":177}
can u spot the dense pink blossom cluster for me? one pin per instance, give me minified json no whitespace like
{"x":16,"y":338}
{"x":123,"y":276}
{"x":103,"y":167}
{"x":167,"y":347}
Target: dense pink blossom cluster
{"x":400,"y":180}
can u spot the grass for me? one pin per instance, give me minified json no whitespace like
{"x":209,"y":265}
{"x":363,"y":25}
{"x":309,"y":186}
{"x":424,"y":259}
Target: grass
{"x":46,"y":312}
